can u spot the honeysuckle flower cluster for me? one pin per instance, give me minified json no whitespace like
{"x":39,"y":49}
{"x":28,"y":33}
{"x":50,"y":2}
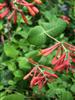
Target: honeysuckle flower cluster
{"x":62,"y":61}
{"x":40,"y":75}
{"x":10,"y":9}
{"x":65,"y":55}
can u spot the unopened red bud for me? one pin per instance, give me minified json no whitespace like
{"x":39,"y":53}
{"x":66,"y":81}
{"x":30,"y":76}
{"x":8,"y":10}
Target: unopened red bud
{"x":5,"y":13}
{"x":1,"y":7}
{"x":24,"y":18}
{"x":31,"y":11}
{"x":38,"y":1}
{"x":15,"y":17}
{"x":10,"y":16}
{"x":66,"y":19}
{"x":35,"y":9}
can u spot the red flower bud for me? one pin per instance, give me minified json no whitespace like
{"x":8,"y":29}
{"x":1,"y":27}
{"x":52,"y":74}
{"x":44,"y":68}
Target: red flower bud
{"x":38,"y":1}
{"x":24,"y":18}
{"x":35,"y":9}
{"x":15,"y":17}
{"x":31,"y":11}
{"x":5,"y":13}
{"x":66,"y":19}
{"x":47,"y":51}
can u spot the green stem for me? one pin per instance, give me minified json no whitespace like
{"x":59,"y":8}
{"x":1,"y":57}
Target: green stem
{"x":51,"y":37}
{"x":64,"y":48}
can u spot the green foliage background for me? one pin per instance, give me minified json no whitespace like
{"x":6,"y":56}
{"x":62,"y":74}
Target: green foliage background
{"x":20,"y":42}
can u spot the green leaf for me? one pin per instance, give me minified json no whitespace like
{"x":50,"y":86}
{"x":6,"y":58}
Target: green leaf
{"x":74,"y":75}
{"x":73,"y":88}
{"x":10,"y":50}
{"x":32,"y":53}
{"x":1,"y":86}
{"x":25,"y":9}
{"x":22,"y":32}
{"x":18,"y":74}
{"x":37,"y":36}
{"x":23,"y":63}
{"x":54,"y":28}
{"x":66,"y":96}
{"x":13,"y":97}
{"x":1,"y":25}
{"x":2,"y":95}
{"x":11,"y":82}
{"x":50,"y":16}
{"x":11,"y":66}
{"x":1,"y":1}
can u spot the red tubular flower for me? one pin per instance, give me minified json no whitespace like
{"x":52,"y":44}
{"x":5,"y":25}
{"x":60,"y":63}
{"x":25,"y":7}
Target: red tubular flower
{"x":5,"y":13}
{"x":72,"y":68}
{"x":47,"y":51}
{"x":34,"y":70}
{"x":40,"y":84}
{"x":73,"y":59}
{"x":47,"y":74}
{"x":11,"y":15}
{"x":69,"y":47}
